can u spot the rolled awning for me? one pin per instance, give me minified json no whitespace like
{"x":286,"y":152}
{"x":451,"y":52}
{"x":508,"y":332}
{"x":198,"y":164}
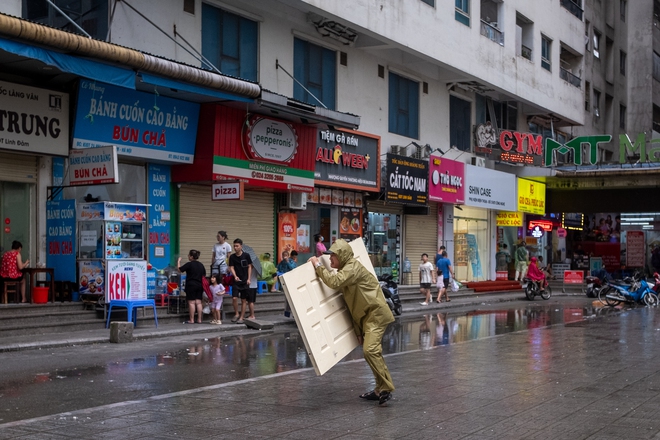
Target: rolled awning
{"x":93,"y":70}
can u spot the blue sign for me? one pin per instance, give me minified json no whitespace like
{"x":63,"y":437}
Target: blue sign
{"x":61,"y":238}
{"x":140,"y":124}
{"x":159,"y":215}
{"x":58,"y":177}
{"x":473,"y":255}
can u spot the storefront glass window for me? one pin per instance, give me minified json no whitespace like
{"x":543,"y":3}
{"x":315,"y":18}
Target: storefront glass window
{"x":130,"y":189}
{"x":472,"y":253}
{"x":382,"y":245}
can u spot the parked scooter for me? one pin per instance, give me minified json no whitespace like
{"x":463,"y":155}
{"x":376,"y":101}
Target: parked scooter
{"x":633,"y":290}
{"x":596,"y":282}
{"x":532,"y":289}
{"x":391,"y":293}
{"x":656,"y":281}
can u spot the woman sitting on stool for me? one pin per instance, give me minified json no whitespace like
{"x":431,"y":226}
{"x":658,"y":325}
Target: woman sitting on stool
{"x":12,"y":266}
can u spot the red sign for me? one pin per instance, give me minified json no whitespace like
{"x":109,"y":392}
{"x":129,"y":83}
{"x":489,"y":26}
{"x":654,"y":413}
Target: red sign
{"x":573,"y":276}
{"x":561,"y":233}
{"x":635,"y":249}
{"x":546,"y":225}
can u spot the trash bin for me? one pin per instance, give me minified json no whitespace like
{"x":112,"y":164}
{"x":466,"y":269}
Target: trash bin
{"x":40,"y":295}
{"x":75,"y":296}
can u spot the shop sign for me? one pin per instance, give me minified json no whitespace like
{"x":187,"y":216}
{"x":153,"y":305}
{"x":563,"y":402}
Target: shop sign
{"x":537,"y":232}
{"x":545,"y":225}
{"x":126,"y":280}
{"x":61,"y":238}
{"x":141,"y":124}
{"x":510,"y":146}
{"x":635,"y":249}
{"x":573,"y":276}
{"x":490,"y":189}
{"x":531,"y":196}
{"x":227,"y":191}
{"x":572,"y":220}
{"x":347,"y":159}
{"x":562,"y":233}
{"x":111,"y":211}
{"x":446,"y":180}
{"x":34,"y":120}
{"x":93,"y":166}
{"x":506,"y":218}
{"x":263,"y":174}
{"x":271,"y":140}
{"x":159,"y":178}
{"x":629,"y":152}
{"x":406,"y":180}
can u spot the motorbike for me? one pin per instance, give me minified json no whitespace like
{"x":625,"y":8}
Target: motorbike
{"x":533,"y":289}
{"x":633,"y":290}
{"x":596,"y":282}
{"x":391,"y":292}
{"x":656,"y":283}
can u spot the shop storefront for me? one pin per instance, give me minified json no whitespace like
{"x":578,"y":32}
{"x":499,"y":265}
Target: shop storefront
{"x":151,"y":133}
{"x":475,"y":231}
{"x":272,"y":159}
{"x":346,"y":169}
{"x":35,"y":126}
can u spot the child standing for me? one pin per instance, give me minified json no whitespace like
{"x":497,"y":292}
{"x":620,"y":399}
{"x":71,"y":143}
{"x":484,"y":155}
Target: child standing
{"x":218,"y":291}
{"x":425,"y":279}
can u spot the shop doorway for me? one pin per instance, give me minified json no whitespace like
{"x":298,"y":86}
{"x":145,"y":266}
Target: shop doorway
{"x":382,"y":242}
{"x":472,"y":253}
{"x":314,"y":220}
{"x":15,"y":214}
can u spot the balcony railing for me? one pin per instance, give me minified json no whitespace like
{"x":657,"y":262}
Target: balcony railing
{"x":490,"y":31}
{"x":570,"y":78}
{"x":526,"y":52}
{"x":572,"y":7}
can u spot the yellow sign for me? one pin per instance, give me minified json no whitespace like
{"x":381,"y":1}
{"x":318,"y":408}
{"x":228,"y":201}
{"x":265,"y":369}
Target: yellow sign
{"x":531,"y":196}
{"x":506,"y":218}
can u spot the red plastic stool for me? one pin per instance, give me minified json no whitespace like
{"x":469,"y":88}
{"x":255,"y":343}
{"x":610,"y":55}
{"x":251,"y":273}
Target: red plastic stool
{"x":162,"y":299}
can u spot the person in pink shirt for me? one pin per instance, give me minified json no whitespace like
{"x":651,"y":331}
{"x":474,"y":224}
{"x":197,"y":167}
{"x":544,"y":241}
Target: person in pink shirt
{"x":320,"y":247}
{"x":12,"y":266}
{"x":535,"y":274}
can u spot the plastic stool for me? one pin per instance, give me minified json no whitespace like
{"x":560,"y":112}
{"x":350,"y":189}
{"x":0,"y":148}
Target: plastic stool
{"x":162,"y":299}
{"x":262,"y":287}
{"x":10,"y":287}
{"x":130,"y":305}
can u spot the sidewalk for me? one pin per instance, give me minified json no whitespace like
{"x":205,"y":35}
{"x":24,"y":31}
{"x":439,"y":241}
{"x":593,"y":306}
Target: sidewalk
{"x":573,"y":381}
{"x":102,"y":335}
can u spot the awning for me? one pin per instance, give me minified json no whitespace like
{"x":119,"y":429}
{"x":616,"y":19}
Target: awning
{"x":191,"y":88}
{"x":93,"y":70}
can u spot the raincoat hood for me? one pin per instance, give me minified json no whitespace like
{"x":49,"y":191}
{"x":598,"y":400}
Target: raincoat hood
{"x":343,"y":251}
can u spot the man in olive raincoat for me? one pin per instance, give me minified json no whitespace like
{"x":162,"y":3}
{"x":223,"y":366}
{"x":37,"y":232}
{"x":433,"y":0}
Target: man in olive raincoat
{"x":367,"y":306}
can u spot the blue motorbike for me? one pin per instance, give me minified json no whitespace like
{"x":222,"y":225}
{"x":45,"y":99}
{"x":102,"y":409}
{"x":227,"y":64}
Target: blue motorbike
{"x":633,"y":290}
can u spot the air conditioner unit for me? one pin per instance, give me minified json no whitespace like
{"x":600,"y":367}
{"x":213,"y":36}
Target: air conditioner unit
{"x":395,"y":149}
{"x":478,"y":161}
{"x":296,"y":201}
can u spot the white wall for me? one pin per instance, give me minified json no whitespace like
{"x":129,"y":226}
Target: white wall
{"x":11,"y":7}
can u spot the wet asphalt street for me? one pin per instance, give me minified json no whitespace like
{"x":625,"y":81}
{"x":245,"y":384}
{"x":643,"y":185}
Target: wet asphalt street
{"x":563,"y":368}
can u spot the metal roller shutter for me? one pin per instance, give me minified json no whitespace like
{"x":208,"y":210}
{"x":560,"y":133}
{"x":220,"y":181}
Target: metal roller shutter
{"x":18,"y":168}
{"x":421,"y":236}
{"x":380,"y":206}
{"x":250,"y":219}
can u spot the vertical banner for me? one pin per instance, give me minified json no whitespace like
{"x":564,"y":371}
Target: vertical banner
{"x":158,"y":179}
{"x":287,"y":232}
{"x":58,"y":177}
{"x":350,"y":223}
{"x":61,"y":238}
{"x":473,"y":255}
{"x":635,"y":249}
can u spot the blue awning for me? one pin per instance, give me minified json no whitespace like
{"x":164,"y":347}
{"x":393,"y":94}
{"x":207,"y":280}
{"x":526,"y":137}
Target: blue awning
{"x":93,"y":70}
{"x":191,"y":88}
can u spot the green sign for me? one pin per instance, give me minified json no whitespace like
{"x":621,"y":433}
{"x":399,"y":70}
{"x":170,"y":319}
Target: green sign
{"x":575,"y":145}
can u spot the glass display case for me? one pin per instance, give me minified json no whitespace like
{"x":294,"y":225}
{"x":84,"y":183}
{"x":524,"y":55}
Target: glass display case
{"x":107,"y":231}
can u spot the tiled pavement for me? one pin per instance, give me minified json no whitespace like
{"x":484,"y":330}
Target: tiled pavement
{"x":594,"y":379}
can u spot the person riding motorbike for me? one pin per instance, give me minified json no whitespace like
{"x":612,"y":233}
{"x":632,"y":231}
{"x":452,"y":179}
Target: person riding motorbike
{"x":535,"y":274}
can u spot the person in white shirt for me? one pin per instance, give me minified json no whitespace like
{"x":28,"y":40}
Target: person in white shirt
{"x":221,"y":251}
{"x":426,"y":277}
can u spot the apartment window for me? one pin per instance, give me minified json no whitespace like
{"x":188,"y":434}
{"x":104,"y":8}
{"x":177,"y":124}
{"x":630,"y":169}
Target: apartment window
{"x":546,"y":45}
{"x":573,"y":6}
{"x":596,"y":44}
{"x":315,"y":67}
{"x":91,"y":15}
{"x":622,"y":117}
{"x":587,"y":96}
{"x":524,"y":36}
{"x":229,"y":42}
{"x":596,"y":103}
{"x":429,"y":2}
{"x":504,"y":114}
{"x":656,"y":66}
{"x":403,"y":106}
{"x":462,"y":13}
{"x":460,"y":123}
{"x":623,"y":4}
{"x":622,"y":62}
{"x":586,"y":35}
